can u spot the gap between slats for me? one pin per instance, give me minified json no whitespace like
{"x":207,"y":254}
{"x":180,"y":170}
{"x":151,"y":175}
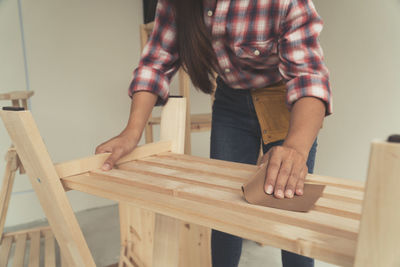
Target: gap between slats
{"x":327,"y":247}
{"x":333,"y":206}
{"x":313,"y":220}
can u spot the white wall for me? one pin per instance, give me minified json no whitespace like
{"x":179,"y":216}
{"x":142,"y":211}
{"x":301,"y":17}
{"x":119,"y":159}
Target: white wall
{"x":361,"y":40}
{"x":80,"y":58}
{"x":81,"y":54}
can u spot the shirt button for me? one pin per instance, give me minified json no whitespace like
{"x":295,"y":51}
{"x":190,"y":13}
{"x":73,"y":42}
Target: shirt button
{"x":210,"y":13}
{"x":257,"y":52}
{"x":227,"y":70}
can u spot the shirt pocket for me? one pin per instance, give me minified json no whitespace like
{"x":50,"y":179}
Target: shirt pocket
{"x":257,"y":54}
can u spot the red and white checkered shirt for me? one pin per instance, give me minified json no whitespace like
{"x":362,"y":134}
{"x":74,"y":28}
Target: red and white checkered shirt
{"x":257,"y":43}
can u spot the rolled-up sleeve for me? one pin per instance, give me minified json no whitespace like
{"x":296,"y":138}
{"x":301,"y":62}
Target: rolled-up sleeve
{"x":301,"y":56}
{"x":159,"y":60}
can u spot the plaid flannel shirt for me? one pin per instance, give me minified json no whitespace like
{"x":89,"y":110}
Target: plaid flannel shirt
{"x":257,"y":43}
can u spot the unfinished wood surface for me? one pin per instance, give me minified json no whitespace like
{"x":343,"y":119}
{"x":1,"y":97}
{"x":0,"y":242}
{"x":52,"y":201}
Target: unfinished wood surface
{"x":6,"y":189}
{"x":5,"y":248}
{"x":83,"y":165}
{"x":16,"y":95}
{"x":137,"y":229}
{"x":50,"y":249}
{"x":45,"y":181}
{"x":20,"y":246}
{"x":34,"y":251}
{"x":173,"y":121}
{"x":379,"y":242}
{"x":207,"y":192}
{"x":198,"y":122}
{"x":29,"y":239}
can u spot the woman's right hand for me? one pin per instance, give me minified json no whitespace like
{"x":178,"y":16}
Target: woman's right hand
{"x":118,"y":146}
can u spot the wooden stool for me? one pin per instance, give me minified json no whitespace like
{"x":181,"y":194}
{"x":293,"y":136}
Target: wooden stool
{"x":351,"y":225}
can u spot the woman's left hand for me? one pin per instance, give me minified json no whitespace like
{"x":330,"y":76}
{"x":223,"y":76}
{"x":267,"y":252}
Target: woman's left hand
{"x":286,"y":171}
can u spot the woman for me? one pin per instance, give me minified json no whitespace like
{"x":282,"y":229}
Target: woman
{"x":249,"y":44}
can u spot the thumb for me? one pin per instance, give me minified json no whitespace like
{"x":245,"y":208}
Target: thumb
{"x":112,"y":159}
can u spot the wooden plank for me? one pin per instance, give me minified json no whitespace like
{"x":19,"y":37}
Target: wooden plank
{"x":20,"y":246}
{"x":212,"y":166}
{"x":5,"y":249}
{"x":213,"y":162}
{"x":336,"y":207}
{"x":49,"y":250}
{"x":137,"y":227}
{"x":379,"y":243}
{"x":173,"y":119}
{"x":28,"y":231}
{"x":83,"y":165}
{"x":46,"y":183}
{"x":16,"y":95}
{"x":6,"y":189}
{"x":337,"y":182}
{"x":34,"y":251}
{"x":184,"y":90}
{"x":331,"y":248}
{"x":166,"y":239}
{"x":177,"y":174}
{"x":313,"y":220}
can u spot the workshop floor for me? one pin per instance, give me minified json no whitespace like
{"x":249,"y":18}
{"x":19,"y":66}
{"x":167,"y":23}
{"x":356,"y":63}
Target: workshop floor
{"x":101,"y":229}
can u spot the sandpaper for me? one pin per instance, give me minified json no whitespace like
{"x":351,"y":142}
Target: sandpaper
{"x":254,"y":193}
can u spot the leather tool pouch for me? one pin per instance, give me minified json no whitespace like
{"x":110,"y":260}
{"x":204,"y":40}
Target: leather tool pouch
{"x":272,"y":112}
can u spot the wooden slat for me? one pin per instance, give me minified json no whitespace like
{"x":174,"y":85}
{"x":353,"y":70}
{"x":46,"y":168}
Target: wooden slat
{"x":195,"y":167}
{"x":19,"y":255}
{"x":34,"y":251}
{"x":337,"y":207}
{"x":328,"y":247}
{"x":49,"y":252}
{"x":6,"y":189}
{"x":83,"y":165}
{"x":337,"y":182}
{"x":5,"y":249}
{"x":16,"y":95}
{"x":28,"y":231}
{"x":313,"y":219}
{"x":212,"y":162}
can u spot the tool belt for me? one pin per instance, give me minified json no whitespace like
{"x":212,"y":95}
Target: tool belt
{"x":272,"y":112}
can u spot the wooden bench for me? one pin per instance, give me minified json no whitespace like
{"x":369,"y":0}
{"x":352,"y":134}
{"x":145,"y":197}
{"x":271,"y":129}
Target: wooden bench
{"x":169,"y":202}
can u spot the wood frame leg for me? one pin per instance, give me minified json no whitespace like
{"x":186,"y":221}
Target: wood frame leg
{"x":6,"y":190}
{"x":155,"y":240}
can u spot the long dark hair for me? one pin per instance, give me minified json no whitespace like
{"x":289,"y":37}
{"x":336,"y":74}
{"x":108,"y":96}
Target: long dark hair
{"x":196,"y":53}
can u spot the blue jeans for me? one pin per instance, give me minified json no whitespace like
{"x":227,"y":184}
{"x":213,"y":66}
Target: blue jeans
{"x":236,"y":136}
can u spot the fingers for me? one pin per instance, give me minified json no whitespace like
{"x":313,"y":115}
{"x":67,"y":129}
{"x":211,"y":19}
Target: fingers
{"x":274,"y":164}
{"x":286,"y":172}
{"x":112,"y":159}
{"x":300,"y":182}
{"x":294,"y":179}
{"x":283,"y":177}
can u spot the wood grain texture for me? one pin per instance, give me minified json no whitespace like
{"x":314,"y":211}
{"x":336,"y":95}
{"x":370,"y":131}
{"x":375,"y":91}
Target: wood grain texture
{"x":34,"y":250}
{"x":83,"y":165}
{"x":379,"y":242}
{"x":5,"y":248}
{"x":46,"y":183}
{"x":6,"y":189}
{"x":20,"y":246}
